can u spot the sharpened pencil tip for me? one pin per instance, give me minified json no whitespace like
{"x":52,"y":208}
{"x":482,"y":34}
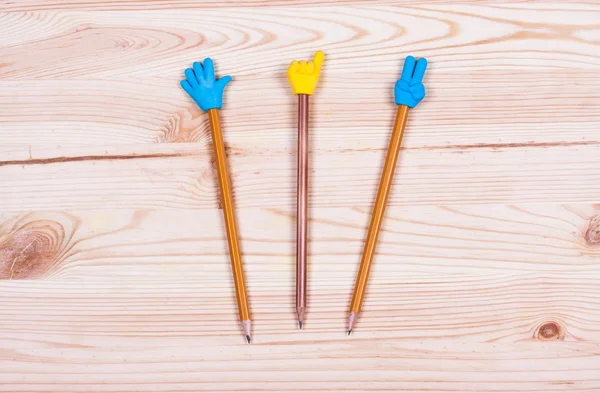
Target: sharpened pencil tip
{"x":350,"y":332}
{"x":248,"y":339}
{"x":300,"y":324}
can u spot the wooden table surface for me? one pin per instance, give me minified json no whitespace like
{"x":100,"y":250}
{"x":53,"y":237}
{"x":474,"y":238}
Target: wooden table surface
{"x":114,"y":270}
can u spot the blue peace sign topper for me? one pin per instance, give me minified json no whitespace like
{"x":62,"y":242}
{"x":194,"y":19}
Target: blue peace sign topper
{"x":203,"y":87}
{"x":409,"y":89}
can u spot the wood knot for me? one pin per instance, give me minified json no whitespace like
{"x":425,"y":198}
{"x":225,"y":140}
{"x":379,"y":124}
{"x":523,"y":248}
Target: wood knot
{"x":592,"y":235}
{"x":550,"y":331}
{"x":31,"y":250}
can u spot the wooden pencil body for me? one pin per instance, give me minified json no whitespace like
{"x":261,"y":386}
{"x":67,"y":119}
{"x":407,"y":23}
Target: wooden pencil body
{"x":379,"y":209}
{"x":229,"y":215}
{"x":302,"y":207}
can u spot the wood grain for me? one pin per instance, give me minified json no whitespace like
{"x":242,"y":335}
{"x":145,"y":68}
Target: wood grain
{"x":114,"y":273}
{"x":501,"y":284}
{"x":543,"y":110}
{"x":266,"y":178}
{"x":190,"y":4}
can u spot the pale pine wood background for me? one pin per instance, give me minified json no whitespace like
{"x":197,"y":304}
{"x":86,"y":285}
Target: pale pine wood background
{"x":113,"y":264}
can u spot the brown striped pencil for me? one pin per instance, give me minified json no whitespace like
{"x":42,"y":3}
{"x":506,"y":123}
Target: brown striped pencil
{"x":301,"y":208}
{"x":303,"y":77}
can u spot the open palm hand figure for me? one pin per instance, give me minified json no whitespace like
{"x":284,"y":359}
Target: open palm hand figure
{"x":409,"y":89}
{"x":203,"y":87}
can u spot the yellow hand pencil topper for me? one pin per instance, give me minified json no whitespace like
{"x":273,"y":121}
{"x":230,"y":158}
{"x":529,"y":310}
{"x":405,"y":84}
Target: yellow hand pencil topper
{"x":304,"y":75}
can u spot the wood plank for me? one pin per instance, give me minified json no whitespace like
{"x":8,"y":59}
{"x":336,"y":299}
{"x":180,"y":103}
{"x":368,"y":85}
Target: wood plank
{"x":165,"y":244}
{"x":185,"y":180}
{"x":29,"y":5}
{"x":367,"y":39}
{"x":285,"y":367}
{"x":462,"y":109}
{"x":467,"y":294}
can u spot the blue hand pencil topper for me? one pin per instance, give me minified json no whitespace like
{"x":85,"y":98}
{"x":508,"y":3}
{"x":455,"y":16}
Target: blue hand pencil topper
{"x":203,"y":87}
{"x":409,"y":89}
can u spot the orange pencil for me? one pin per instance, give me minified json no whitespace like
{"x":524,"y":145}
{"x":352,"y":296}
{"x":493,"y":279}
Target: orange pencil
{"x":201,"y":85}
{"x":409,"y":91}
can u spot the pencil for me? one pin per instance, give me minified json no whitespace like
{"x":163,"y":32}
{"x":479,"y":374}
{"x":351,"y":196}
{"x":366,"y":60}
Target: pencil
{"x":230,"y":226}
{"x":303,"y":77}
{"x":203,"y":87}
{"x":409,"y":91}
{"x":301,"y":207}
{"x":377,"y":217}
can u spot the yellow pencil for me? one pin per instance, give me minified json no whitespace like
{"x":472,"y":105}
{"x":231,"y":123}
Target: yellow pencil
{"x":409,"y":91}
{"x":207,"y":91}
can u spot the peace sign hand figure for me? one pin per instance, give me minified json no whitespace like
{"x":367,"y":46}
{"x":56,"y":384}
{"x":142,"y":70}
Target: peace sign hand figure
{"x":304,"y":75}
{"x":203,"y":87}
{"x":409,"y":89}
